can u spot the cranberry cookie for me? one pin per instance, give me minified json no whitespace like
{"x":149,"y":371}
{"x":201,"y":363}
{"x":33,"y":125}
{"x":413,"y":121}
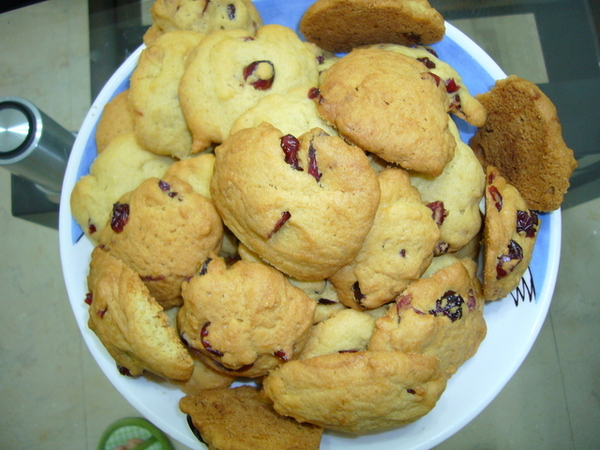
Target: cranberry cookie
{"x":164,"y":231}
{"x":510,"y":233}
{"x":357,"y":392}
{"x":460,"y":101}
{"x":389,"y":104}
{"x":120,"y":168}
{"x":440,"y":316}
{"x":341,"y":25}
{"x":243,"y":418}
{"x":230,"y":71}
{"x":131,"y":325}
{"x":202,"y":16}
{"x":454,"y":196}
{"x":247,"y":319}
{"x":160,"y":126}
{"x":522,"y":137}
{"x":397,"y":249}
{"x":116,"y":119}
{"x":302,"y":204}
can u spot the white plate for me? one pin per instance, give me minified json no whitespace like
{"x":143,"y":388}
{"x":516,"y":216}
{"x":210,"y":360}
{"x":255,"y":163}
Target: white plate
{"x":513,"y":324}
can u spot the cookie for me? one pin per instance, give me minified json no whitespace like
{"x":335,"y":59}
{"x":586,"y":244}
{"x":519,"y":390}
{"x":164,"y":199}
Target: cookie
{"x":460,"y":101}
{"x":454,"y":196}
{"x":120,"y":168}
{"x":346,"y":331}
{"x":116,"y":119}
{"x":341,"y":25}
{"x":302,"y":204}
{"x":388,"y":103}
{"x":231,"y":71}
{"x":292,"y":112}
{"x":130,"y":323}
{"x":247,"y":318}
{"x":397,"y":249}
{"x":197,"y":171}
{"x":440,"y":316}
{"x":357,"y":392}
{"x":164,"y":231}
{"x":159,"y":124}
{"x":203,"y":16}
{"x":204,"y":378}
{"x":243,"y":418}
{"x":522,"y":138}
{"x":510,"y":232}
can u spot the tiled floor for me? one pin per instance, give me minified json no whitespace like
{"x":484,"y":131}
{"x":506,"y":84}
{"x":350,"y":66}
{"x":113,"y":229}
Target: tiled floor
{"x":54,"y":396}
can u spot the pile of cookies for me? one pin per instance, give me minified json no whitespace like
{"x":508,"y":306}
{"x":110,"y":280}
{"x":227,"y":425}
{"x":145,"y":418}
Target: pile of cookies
{"x":263,"y":207}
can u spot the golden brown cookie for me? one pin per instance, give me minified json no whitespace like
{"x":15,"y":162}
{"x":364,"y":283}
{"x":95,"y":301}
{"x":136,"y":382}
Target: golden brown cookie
{"x":159,"y":124}
{"x":202,"y":16}
{"x":522,"y":137}
{"x":248,"y":319}
{"x":130,"y":323}
{"x":116,"y":119}
{"x":341,"y":25}
{"x":389,"y":104}
{"x":243,"y":418}
{"x":510,"y":232}
{"x":164,"y":231}
{"x":439,"y":316}
{"x":397,"y":249}
{"x":357,"y":392}
{"x":302,"y":204}
{"x":230,"y":71}
{"x":120,"y":168}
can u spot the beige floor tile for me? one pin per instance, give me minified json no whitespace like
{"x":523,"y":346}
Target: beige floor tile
{"x":512,"y":41}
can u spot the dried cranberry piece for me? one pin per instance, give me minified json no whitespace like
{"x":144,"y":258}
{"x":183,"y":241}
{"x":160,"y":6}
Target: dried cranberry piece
{"x":439,"y":212}
{"x":313,"y":168}
{"x":358,"y":295}
{"x":91,"y":227}
{"x":455,"y":104}
{"x":403,"y":253}
{"x":411,"y":391}
{"x":326,"y":301}
{"x":231,"y":11}
{"x":146,"y":278}
{"x":205,"y":6}
{"x":285,"y":216}
{"x":204,"y":268}
{"x":281,"y":355}
{"x":120,"y":217}
{"x":441,"y":249}
{"x":432,"y":51}
{"x":348,"y":351}
{"x":428,"y":63}
{"x":164,"y":186}
{"x":496,"y":197}
{"x":451,"y":86}
{"x":515,"y":253}
{"x":102,"y":312}
{"x":527,"y":223}
{"x":124,"y":371}
{"x":450,"y":305}
{"x":437,"y":79}
{"x":89,"y":297}
{"x":314,"y":93}
{"x":260,"y":74}
{"x":205,"y":343}
{"x":290,"y":146}
{"x":472,"y":301}
{"x":320,"y":59}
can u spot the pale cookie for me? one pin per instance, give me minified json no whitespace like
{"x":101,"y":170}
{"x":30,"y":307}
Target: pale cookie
{"x":164,"y":231}
{"x":510,"y":233}
{"x":454,"y":196}
{"x":130,"y":323}
{"x":522,"y":137}
{"x":397,"y":249}
{"x":160,"y":126}
{"x":120,"y":168}
{"x":440,"y":316}
{"x":293,"y":112}
{"x":357,"y":392}
{"x":341,"y":25}
{"x":116,"y":119}
{"x":248,"y":319}
{"x":303,"y":205}
{"x":243,"y":418}
{"x":196,"y":170}
{"x":202,"y":16}
{"x":231,"y":71}
{"x":347,"y":331}
{"x":388,"y":103}
{"x":460,"y":101}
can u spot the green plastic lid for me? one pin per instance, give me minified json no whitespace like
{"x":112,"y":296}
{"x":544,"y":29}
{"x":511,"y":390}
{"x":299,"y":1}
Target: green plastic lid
{"x":124,"y":430}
